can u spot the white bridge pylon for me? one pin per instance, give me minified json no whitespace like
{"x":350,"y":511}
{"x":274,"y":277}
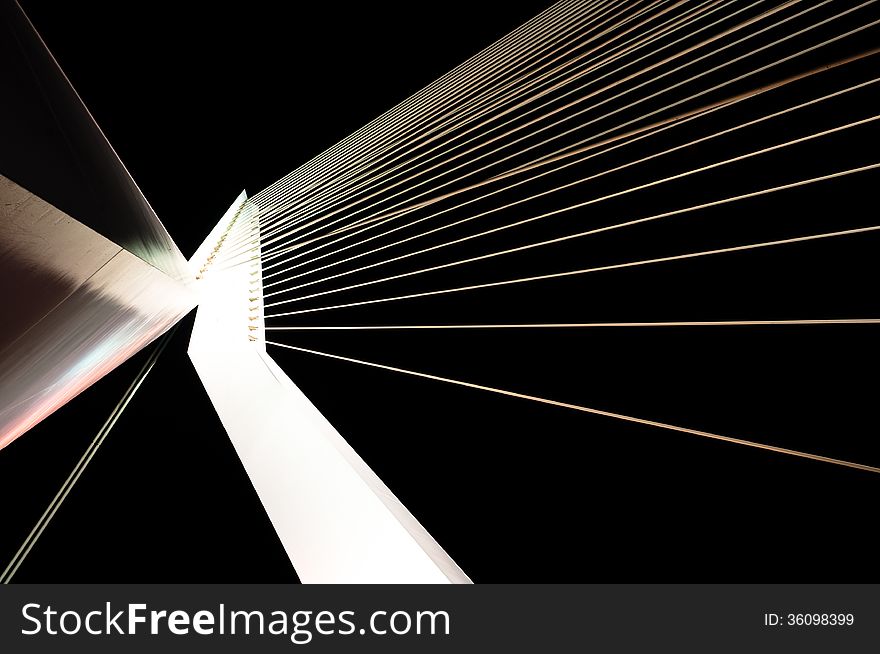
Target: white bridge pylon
{"x":337,"y":521}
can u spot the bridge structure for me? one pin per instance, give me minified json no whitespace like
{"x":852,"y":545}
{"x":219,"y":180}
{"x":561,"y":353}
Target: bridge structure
{"x":591,"y":104}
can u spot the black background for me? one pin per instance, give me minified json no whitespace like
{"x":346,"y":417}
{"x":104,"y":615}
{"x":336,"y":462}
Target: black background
{"x":201,"y":101}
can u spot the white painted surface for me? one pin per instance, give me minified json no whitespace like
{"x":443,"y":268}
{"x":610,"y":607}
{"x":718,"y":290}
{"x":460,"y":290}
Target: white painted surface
{"x":336,"y":519}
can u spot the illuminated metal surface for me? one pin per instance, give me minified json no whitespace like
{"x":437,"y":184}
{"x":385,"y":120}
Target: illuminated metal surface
{"x":338,"y":522}
{"x":83,"y":305}
{"x":51,"y":145}
{"x":88,"y":272}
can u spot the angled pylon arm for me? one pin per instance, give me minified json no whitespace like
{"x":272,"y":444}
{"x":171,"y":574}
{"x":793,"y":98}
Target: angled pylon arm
{"x":338,"y":522}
